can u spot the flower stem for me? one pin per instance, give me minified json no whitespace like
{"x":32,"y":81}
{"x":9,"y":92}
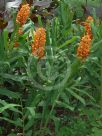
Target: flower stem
{"x":101,"y":87}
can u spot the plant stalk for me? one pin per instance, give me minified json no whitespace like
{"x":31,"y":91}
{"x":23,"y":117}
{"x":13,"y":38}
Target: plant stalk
{"x":101,"y":86}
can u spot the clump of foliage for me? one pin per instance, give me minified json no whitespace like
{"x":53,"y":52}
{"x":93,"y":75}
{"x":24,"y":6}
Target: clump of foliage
{"x":51,"y":76}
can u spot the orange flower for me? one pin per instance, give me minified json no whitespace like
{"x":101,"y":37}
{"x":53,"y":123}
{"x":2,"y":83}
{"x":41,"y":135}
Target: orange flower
{"x":89,"y":19}
{"x":84,"y":47}
{"x":16,"y":44}
{"x":88,"y":26}
{"x":88,"y":29}
{"x":39,"y":42}
{"x":23,"y":14}
{"x":85,"y":43}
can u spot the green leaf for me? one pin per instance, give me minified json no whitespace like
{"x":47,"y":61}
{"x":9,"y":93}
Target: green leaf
{"x":84,"y":92}
{"x":32,"y":111}
{"x":74,"y":38}
{"x":78,"y":97}
{"x":29,"y":124}
{"x":5,"y":36}
{"x":16,"y":78}
{"x":8,"y":93}
{"x":62,"y":104}
{"x":7,"y":106}
{"x":1,"y":47}
{"x":16,"y":122}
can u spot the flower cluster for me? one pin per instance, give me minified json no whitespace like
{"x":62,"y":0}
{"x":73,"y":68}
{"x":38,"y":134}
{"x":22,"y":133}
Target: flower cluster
{"x":21,"y":19}
{"x":89,"y":19}
{"x":16,"y":44}
{"x":23,"y":14}
{"x":87,"y":26}
{"x":84,"y":47}
{"x":38,"y":46}
{"x":85,"y":43}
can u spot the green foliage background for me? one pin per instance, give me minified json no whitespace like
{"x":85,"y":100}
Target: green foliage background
{"x":58,"y":95}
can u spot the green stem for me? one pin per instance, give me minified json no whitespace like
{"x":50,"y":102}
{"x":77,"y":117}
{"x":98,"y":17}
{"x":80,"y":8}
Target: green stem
{"x":54,"y":103}
{"x":22,"y":117}
{"x":101,"y":87}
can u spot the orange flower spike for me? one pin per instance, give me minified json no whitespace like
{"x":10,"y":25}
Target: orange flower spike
{"x":85,"y":44}
{"x":16,"y":44}
{"x":40,"y":37}
{"x":88,"y":29}
{"x":23,"y":14}
{"x":89,"y":19}
{"x":84,"y":47}
{"x":39,"y":42}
